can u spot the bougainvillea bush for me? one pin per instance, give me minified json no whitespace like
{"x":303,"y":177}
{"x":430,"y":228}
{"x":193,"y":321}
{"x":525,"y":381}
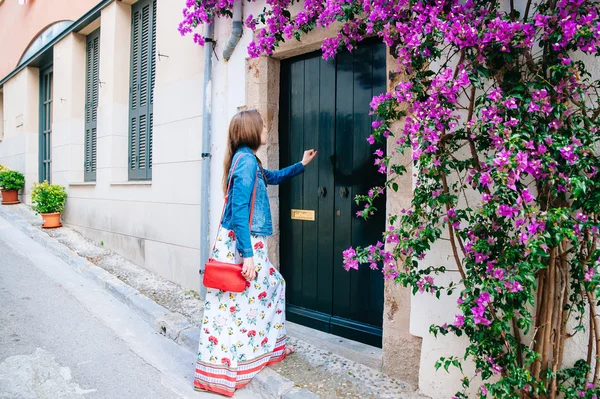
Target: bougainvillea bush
{"x":500,"y":113}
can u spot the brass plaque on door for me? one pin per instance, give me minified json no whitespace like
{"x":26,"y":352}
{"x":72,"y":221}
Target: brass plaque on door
{"x":303,"y":214}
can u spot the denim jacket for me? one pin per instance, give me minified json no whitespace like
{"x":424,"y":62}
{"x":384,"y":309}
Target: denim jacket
{"x":239,"y":198}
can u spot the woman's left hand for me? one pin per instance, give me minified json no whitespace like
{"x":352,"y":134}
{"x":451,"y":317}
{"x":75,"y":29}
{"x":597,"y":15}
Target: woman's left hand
{"x":309,"y":155}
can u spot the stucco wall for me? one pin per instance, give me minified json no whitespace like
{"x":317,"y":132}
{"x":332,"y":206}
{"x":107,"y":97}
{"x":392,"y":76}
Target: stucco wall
{"x":154,"y":223}
{"x":30,"y":20}
{"x":19,"y":147}
{"x":68,"y":111}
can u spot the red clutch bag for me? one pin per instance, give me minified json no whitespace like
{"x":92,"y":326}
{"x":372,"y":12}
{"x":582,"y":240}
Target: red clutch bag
{"x":224,"y":276}
{"x":227,"y":276}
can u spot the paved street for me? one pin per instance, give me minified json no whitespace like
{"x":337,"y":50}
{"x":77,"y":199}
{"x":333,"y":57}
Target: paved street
{"x":62,"y":336}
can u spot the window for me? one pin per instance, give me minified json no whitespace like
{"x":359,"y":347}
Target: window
{"x":143,"y":49}
{"x":91,"y":103}
{"x":49,"y":34}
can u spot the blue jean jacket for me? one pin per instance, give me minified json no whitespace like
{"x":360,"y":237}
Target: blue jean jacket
{"x":237,"y":210}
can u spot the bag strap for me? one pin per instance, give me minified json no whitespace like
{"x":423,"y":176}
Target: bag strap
{"x":227,"y":199}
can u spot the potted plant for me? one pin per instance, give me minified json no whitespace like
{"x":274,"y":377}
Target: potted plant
{"x":11,"y":182}
{"x":49,"y":201}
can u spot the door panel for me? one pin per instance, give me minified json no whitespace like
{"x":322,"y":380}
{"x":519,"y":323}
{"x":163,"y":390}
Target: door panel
{"x":343,"y":160}
{"x":310,"y":230}
{"x":325,"y":217}
{"x":296,"y":201}
{"x":325,"y":105}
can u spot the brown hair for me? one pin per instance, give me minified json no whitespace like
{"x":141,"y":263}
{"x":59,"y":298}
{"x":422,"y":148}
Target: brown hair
{"x":245,"y":129}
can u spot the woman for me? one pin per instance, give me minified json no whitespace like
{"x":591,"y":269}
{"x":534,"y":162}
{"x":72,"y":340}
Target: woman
{"x":241,"y":333}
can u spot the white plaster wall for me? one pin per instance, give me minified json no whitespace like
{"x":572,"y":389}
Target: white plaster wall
{"x":19,"y":146}
{"x":156,"y":223}
{"x":228,"y":94}
{"x":68,"y":112}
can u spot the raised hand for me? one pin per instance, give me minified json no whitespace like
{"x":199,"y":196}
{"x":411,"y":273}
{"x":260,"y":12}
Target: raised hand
{"x":309,"y":155}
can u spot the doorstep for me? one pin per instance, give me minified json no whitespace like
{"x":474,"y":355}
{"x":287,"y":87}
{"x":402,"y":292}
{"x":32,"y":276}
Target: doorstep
{"x":324,"y":365}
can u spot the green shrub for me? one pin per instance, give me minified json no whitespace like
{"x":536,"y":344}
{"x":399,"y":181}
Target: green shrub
{"x":48,"y":198}
{"x":11,"y":180}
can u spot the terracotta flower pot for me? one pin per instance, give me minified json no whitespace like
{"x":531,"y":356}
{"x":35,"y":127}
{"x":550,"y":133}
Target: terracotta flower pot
{"x":51,"y":220}
{"x":10,"y":197}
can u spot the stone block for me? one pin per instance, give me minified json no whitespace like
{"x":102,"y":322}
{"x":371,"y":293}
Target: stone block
{"x":150,"y":311}
{"x":298,"y":393}
{"x":270,"y":384}
{"x":189,"y":339}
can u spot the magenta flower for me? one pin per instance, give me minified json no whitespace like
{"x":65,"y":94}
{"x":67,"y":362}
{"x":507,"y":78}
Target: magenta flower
{"x":484,"y":298}
{"x":459,"y":320}
{"x":485,"y":179}
{"x":527,"y":197}
{"x":349,"y":259}
{"x":510,"y":103}
{"x":480,"y":258}
{"x":539,"y":95}
{"x":533,"y":107}
{"x":421,"y":285}
{"x":502,"y":158}
{"x":393,"y":238}
{"x":513,"y":287}
{"x":507,"y":211}
{"x":495,"y":95}
{"x":330,"y":47}
{"x":568,"y":153}
{"x":498,"y":273}
{"x":496,"y":369}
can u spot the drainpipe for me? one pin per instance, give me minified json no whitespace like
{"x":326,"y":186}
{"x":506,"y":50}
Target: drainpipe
{"x":236,"y":30}
{"x":206,"y":130}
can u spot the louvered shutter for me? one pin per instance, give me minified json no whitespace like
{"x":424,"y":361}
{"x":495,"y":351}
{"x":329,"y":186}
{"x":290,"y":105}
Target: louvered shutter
{"x":143,"y":47}
{"x":92,"y":72}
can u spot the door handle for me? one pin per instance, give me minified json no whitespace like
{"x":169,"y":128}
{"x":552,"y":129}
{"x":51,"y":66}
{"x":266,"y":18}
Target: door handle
{"x":321,"y":191}
{"x":344,"y":192}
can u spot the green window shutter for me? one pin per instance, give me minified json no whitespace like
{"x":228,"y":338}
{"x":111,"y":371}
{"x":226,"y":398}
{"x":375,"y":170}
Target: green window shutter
{"x":143,"y":51}
{"x":92,"y":73}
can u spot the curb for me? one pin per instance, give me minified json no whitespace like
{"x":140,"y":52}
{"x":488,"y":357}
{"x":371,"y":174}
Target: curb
{"x":270,"y":384}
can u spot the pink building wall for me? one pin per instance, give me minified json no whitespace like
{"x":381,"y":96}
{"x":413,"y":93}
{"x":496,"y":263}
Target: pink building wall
{"x":21,"y":24}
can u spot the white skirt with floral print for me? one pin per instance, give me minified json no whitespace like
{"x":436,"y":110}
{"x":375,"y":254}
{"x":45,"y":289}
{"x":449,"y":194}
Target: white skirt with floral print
{"x":241,"y":333}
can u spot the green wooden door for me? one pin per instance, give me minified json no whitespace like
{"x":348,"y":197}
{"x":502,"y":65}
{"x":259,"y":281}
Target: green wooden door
{"x":325,"y":105}
{"x":45,"y":146}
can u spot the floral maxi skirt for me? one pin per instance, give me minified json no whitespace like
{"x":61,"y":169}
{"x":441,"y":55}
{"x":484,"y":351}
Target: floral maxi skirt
{"x":241,"y":333}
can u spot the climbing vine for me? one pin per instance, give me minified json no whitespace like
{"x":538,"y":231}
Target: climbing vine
{"x":499,"y":110}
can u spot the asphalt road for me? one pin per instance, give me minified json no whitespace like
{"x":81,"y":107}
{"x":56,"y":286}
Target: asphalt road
{"x":62,"y":336}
